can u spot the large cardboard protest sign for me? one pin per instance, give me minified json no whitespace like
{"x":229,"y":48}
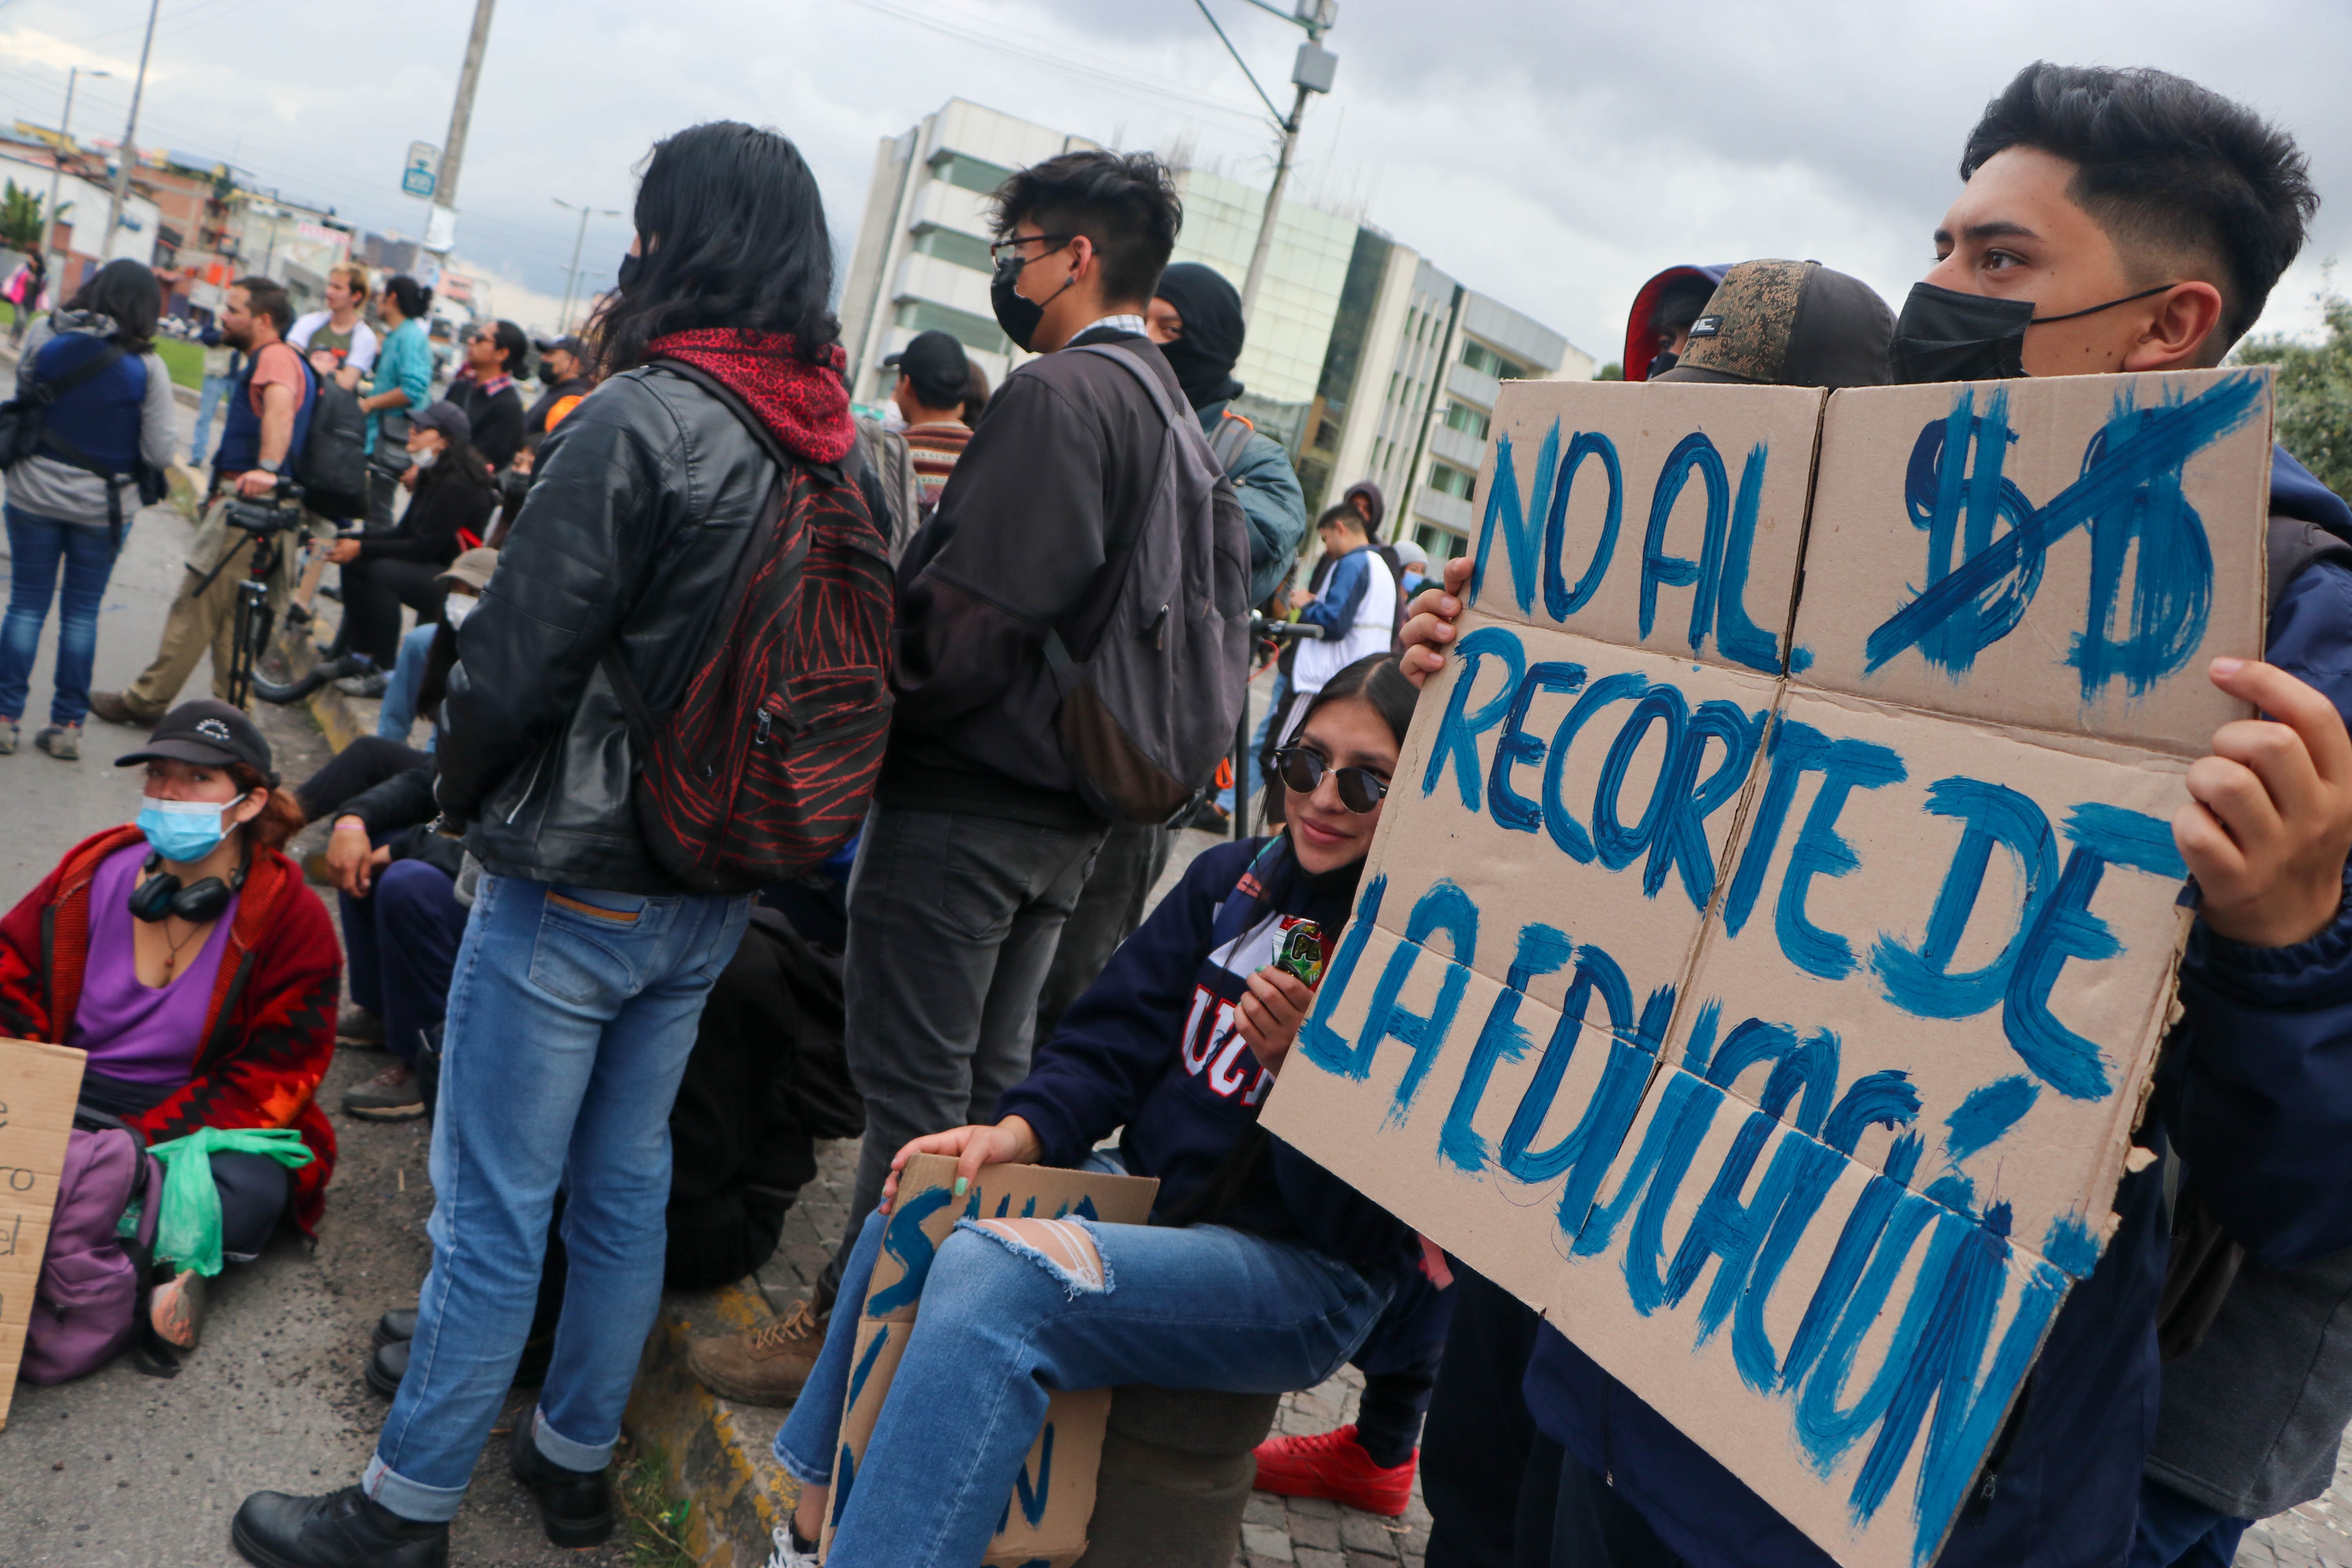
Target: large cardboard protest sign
{"x":1052,"y":1499}
{"x":1779,"y":1033}
{"x":39,"y":1087}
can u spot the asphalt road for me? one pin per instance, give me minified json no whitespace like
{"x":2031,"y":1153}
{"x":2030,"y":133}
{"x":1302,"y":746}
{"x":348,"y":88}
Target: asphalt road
{"x":123,"y":1469}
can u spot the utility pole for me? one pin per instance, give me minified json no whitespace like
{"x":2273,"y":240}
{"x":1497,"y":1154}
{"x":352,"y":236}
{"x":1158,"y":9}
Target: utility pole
{"x":130,"y":135}
{"x":461,"y":115}
{"x":56,"y":175}
{"x":1312,"y":71}
{"x":571,"y":273}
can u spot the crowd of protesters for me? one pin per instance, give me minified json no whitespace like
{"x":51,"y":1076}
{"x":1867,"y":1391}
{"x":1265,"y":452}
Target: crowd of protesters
{"x":628,"y":1048}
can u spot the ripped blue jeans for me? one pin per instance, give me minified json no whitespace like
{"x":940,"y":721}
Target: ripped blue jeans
{"x":1201,"y":1307}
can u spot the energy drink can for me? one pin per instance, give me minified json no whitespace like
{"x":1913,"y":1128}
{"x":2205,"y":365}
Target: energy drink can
{"x":1301,"y":951}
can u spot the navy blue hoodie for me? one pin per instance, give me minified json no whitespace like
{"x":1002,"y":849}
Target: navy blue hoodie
{"x":1153,"y":1047}
{"x":2256,"y":1088}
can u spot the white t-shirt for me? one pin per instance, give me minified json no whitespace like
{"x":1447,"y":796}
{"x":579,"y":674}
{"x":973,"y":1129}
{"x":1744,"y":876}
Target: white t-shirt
{"x":360,"y":356}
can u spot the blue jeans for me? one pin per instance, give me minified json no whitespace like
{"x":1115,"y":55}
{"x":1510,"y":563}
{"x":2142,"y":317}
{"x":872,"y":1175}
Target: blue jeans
{"x":398,"y":715}
{"x":1201,"y":1307}
{"x":215,"y":391}
{"x":571,"y":1017}
{"x":35,"y":545}
{"x":400,"y":945}
{"x":2175,"y":1533}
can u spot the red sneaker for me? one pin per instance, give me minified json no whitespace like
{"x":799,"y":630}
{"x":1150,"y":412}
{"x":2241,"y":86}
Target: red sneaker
{"x":1334,"y":1466}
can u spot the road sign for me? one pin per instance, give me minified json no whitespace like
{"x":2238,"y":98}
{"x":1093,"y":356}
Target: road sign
{"x":422,"y":172}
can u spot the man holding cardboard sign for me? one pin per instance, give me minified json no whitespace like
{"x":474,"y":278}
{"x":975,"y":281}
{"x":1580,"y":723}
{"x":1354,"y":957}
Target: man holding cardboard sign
{"x":2053,"y":217}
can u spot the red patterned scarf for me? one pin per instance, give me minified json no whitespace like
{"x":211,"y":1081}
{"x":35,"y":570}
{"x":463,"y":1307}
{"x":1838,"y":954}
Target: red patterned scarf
{"x":805,"y":406}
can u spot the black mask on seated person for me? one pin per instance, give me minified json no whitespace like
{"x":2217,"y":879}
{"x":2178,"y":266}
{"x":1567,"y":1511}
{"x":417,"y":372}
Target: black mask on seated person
{"x":1946,"y":335}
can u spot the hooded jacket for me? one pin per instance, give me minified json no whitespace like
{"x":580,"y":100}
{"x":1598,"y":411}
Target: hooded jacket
{"x":2256,"y":1086}
{"x":1152,"y":1048}
{"x":643,"y":499}
{"x":121,"y":418}
{"x":268,"y":1033}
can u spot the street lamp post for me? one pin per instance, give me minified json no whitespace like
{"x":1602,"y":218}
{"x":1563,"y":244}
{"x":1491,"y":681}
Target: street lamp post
{"x":130,"y":137}
{"x":57,"y":176}
{"x":1311,"y":72}
{"x":571,"y":273}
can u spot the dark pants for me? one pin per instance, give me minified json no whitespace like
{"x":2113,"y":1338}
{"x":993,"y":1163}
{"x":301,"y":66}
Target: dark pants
{"x":1126,"y":868}
{"x":374,"y":590}
{"x":1591,"y":1525}
{"x":356,"y":769}
{"x":1389,"y":1416}
{"x":253,"y":1192}
{"x":2175,"y":1533}
{"x":953,"y":919}
{"x":400,"y":947}
{"x":1478,"y":1460}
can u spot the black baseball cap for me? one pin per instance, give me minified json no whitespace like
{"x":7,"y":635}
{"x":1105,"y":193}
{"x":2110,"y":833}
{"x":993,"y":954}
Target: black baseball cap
{"x":1790,"y":323}
{"x":568,"y":343}
{"x":447,"y":418}
{"x":208,"y":732}
{"x":934,"y":361}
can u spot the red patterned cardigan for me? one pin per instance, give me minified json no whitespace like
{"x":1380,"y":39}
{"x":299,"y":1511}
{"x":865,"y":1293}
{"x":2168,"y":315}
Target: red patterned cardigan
{"x":269,"y":1033}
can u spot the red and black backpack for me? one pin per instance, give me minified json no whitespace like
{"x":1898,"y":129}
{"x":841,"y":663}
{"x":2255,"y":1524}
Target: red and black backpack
{"x":765,"y":765}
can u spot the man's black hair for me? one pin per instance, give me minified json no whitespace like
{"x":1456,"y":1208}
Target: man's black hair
{"x":2164,"y":165}
{"x":513,"y":345}
{"x":1679,"y":304}
{"x":734,"y":236}
{"x":1126,"y":202}
{"x":267,"y":296}
{"x":413,"y":298}
{"x":1344,"y":516}
{"x":125,"y":292}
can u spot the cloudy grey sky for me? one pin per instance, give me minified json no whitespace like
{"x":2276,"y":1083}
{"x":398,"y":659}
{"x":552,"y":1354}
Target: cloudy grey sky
{"x":1550,"y":153}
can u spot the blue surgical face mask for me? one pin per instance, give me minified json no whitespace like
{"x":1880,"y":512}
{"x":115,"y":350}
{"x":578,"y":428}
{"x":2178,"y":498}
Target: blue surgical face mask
{"x":182,"y":830}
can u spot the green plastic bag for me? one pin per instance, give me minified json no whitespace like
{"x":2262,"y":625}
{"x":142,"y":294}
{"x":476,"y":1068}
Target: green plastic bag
{"x":188,"y":1222}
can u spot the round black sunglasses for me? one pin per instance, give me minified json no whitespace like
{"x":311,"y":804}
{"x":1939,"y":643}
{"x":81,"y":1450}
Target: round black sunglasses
{"x":1302,"y":770}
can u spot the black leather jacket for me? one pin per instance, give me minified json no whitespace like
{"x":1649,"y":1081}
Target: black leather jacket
{"x":642,"y":501}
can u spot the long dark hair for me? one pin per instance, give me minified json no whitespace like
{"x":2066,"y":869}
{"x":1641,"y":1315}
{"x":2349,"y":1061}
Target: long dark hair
{"x":126,"y":292}
{"x":461,"y":461}
{"x":734,"y":236}
{"x":1377,"y":680}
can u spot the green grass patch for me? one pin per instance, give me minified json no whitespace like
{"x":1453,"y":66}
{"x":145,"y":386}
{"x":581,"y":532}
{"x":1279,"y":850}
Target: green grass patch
{"x":185,"y":361}
{"x":655,"y":1522}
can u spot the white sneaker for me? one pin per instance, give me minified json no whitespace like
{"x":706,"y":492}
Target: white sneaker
{"x":785,"y":1556}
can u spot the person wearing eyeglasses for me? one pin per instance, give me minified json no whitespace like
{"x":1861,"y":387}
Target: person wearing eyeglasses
{"x":1260,"y":1271}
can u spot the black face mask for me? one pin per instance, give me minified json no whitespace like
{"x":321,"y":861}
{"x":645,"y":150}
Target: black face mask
{"x":1015,"y":312}
{"x":1946,"y":335}
{"x":1663,"y":362}
{"x":631,"y":265}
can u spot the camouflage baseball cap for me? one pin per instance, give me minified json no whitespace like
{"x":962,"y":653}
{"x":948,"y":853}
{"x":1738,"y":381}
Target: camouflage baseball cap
{"x":1790,"y":323}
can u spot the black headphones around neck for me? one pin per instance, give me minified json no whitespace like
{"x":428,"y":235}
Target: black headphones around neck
{"x":161,"y":898}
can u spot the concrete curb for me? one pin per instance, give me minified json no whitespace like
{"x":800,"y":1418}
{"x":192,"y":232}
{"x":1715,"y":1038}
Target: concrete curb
{"x":714,"y":1452}
{"x":328,"y":706}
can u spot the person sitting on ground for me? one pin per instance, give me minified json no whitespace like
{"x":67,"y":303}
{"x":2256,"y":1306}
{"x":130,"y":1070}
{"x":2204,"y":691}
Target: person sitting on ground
{"x":73,"y":499}
{"x":383,"y":570}
{"x":185,"y":957}
{"x":1262,"y":1272}
{"x":421,"y":677}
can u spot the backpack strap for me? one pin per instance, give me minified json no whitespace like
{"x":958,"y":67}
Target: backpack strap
{"x":2295,"y":544}
{"x":1230,"y":440}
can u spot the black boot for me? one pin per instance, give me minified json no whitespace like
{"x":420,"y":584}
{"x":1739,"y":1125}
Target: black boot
{"x":575,"y":1507}
{"x":400,"y":1323}
{"x":341,"y":1529}
{"x":388,"y":1363}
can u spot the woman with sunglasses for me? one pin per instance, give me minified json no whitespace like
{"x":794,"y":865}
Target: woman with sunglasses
{"x":1261,"y":1272}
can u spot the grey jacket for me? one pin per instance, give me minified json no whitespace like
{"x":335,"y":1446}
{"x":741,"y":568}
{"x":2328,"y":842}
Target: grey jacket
{"x":51,"y":489}
{"x":2252,"y":1417}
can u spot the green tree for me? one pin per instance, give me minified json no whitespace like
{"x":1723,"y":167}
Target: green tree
{"x":20,"y":219}
{"x":2314,"y":393}
{"x":1613,"y":371}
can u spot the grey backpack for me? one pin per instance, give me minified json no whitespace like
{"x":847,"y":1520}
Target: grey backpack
{"x":1148,"y":708}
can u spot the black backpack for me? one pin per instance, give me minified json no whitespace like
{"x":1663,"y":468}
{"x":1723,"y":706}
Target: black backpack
{"x":334,"y":462}
{"x":24,"y":433}
{"x":1148,"y":708}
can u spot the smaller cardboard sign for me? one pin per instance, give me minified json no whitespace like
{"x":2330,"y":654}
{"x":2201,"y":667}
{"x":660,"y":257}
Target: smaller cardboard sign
{"x":2065,"y":554}
{"x":39,"y":1087}
{"x":1052,"y":1499}
{"x":1662,"y":515}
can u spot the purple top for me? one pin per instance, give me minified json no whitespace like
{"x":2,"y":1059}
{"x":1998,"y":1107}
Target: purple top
{"x":137,"y":1033}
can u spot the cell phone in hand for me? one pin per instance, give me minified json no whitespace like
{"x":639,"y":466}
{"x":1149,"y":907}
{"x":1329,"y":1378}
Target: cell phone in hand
{"x":1300,"y":952}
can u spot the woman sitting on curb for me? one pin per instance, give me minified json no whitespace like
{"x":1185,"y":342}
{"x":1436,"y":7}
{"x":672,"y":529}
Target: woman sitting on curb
{"x":1264,"y":1272}
{"x":185,"y":954}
